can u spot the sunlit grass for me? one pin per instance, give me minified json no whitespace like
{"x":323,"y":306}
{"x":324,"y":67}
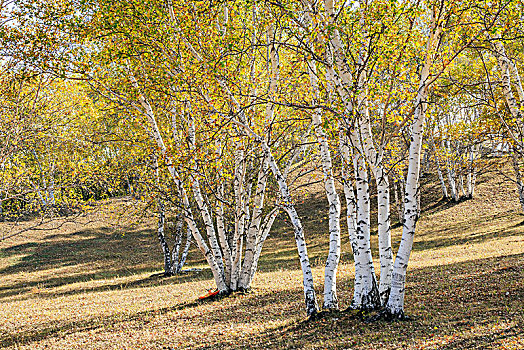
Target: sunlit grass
{"x":90,"y":287}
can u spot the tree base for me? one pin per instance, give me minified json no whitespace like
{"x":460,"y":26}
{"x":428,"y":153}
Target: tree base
{"x":388,"y":316}
{"x":243,"y":290}
{"x":325,"y":314}
{"x":218,"y":296}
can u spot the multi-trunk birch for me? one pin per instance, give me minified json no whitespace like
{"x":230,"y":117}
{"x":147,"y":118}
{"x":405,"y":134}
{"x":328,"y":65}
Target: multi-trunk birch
{"x":395,"y":304}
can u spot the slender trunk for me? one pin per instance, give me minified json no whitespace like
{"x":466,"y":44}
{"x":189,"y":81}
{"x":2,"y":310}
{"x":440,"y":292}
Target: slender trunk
{"x":202,"y":203}
{"x":289,"y":208}
{"x":185,"y":252}
{"x":168,"y":266}
{"x":395,"y":304}
{"x":471,"y":173}
{"x":451,"y":173}
{"x":384,"y":235}
{"x":220,"y":220}
{"x":375,"y":160}
{"x":155,"y":134}
{"x":395,"y":193}
{"x":264,"y":233}
{"x":426,"y":161}
{"x":238,"y":188}
{"x":330,"y":274}
{"x":221,"y":229}
{"x":52,"y":185}
{"x":461,"y":185}
{"x":366,"y":283}
{"x":255,"y":236}
{"x":175,"y":253}
{"x":506,"y":67}
{"x":439,"y":171}
{"x":254,"y":228}
{"x":443,"y":186}
{"x":351,"y":204}
{"x":400,"y":207}
{"x":520,"y":185}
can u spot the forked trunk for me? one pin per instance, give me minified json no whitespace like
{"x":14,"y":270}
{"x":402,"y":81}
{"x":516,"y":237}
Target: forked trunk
{"x":368,"y":297}
{"x":395,"y":304}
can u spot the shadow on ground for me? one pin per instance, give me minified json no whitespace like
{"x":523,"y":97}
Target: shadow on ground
{"x":457,"y":308}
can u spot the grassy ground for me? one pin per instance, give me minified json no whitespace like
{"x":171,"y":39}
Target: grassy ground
{"x":90,"y":287}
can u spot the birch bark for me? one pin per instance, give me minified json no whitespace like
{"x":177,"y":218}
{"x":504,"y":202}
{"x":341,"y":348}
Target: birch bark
{"x":289,"y":208}
{"x":395,"y":303}
{"x":351,"y":204}
{"x":330,"y":274}
{"x":155,"y":134}
{"x":168,"y":265}
{"x":375,"y":159}
{"x":368,"y":298}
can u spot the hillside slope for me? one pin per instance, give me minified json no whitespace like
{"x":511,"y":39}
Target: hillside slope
{"x":89,"y":286}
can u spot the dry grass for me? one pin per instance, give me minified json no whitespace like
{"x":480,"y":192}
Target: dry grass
{"x":89,"y":287}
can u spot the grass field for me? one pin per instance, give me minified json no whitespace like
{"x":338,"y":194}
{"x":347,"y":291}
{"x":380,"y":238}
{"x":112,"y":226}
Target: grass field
{"x":90,"y":286}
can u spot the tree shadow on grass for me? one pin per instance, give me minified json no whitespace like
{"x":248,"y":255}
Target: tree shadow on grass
{"x":471,"y":231}
{"x":455,"y":305}
{"x":463,"y":303}
{"x":86,"y":255}
{"x":251,"y":301}
{"x":52,"y":329}
{"x":24,"y":290}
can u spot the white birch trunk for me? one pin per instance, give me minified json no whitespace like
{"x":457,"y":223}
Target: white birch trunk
{"x":289,"y":208}
{"x":450,"y":167}
{"x":520,"y":185}
{"x":471,"y":173}
{"x":201,"y":202}
{"x":250,"y":259}
{"x":221,"y":230}
{"x":255,"y":233}
{"x":402,"y":185}
{"x":330,"y":274}
{"x":351,"y":207}
{"x":369,"y":297}
{"x":238,"y":187}
{"x":157,"y":137}
{"x":264,"y":233}
{"x":175,"y":252}
{"x":506,"y":67}
{"x":395,"y":304}
{"x":375,"y":159}
{"x":366,"y":284}
{"x":168,"y":265}
{"x":439,"y":171}
{"x":185,"y":252}
{"x":461,"y":185}
{"x":287,"y":204}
